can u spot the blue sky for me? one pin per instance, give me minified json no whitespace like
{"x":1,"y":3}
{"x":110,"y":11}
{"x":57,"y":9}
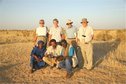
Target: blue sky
{"x":25,"y":14}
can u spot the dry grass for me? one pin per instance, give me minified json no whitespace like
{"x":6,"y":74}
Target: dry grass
{"x":109,"y":60}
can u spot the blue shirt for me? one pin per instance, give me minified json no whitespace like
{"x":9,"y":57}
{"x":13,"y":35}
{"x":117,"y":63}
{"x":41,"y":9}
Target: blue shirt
{"x":38,"y":52}
{"x":70,"y":32}
{"x":71,"y":51}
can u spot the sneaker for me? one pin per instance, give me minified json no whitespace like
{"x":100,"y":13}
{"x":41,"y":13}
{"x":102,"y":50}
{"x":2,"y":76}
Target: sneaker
{"x":32,"y":70}
{"x":51,"y":67}
{"x":69,"y":75}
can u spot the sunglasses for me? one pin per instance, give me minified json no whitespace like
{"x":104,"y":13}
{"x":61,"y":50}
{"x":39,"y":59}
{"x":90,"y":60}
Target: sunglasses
{"x":68,"y":23}
{"x":83,"y":22}
{"x":41,"y":23}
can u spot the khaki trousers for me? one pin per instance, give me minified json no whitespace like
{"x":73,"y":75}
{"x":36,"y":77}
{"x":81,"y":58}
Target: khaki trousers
{"x":87,"y":52}
{"x":69,"y":41}
{"x":50,"y":61}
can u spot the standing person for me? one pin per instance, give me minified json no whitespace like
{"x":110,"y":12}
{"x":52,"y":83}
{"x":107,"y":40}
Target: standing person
{"x":56,"y":32}
{"x":84,"y":38}
{"x":70,"y":36}
{"x":36,"y":60}
{"x":70,"y":32}
{"x":53,"y":53}
{"x":41,"y":32}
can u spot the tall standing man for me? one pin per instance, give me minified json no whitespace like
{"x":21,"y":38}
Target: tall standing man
{"x":41,"y":32}
{"x":84,"y":38}
{"x":56,"y":32}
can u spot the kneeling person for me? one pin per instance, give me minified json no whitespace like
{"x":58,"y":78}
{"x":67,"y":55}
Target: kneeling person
{"x":53,"y":53}
{"x":37,"y":54}
{"x":68,"y":53}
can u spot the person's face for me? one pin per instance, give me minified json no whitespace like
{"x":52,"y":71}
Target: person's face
{"x":84,"y":24}
{"x":53,"y":44}
{"x":41,"y":23}
{"x":40,"y":45}
{"x":55,"y":23}
{"x":69,"y":25}
{"x":63,"y":45}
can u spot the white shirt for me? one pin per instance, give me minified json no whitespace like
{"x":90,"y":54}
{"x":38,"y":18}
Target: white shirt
{"x":54,"y":52}
{"x":70,"y":32}
{"x":41,"y":31}
{"x":56,"y":33}
{"x":88,"y":32}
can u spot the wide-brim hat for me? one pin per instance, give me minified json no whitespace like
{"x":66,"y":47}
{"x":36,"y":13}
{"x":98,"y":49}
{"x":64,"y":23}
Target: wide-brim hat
{"x":69,"y":22}
{"x":84,"y":20}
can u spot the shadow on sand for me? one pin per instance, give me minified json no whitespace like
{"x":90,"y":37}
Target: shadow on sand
{"x":3,"y":74}
{"x":101,"y":49}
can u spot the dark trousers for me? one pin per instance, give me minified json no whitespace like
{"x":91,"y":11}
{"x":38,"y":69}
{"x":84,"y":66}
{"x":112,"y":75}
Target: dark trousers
{"x":34,"y":64}
{"x":67,"y":64}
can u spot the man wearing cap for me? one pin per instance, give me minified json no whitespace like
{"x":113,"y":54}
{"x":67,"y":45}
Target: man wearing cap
{"x":70,"y":32}
{"x":56,"y":32}
{"x":36,"y":60}
{"x":84,"y":38}
{"x":41,"y":32}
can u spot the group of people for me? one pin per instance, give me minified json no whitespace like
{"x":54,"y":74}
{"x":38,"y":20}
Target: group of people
{"x":58,"y":46}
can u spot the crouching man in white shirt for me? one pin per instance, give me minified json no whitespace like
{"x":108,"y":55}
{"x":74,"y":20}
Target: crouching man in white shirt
{"x":84,"y":38}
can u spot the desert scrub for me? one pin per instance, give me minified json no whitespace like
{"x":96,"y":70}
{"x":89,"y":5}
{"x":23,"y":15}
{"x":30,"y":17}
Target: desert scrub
{"x":8,"y":40}
{"x":25,"y":33}
{"x":104,"y":36}
{"x":121,"y":34}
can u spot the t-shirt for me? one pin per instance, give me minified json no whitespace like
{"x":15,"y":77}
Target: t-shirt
{"x":88,"y":32}
{"x":56,"y":33}
{"x":41,"y":31}
{"x":70,"y":32}
{"x":54,"y":52}
{"x":69,"y":51}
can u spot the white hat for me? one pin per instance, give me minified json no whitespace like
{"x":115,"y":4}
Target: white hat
{"x":84,"y":20}
{"x":69,"y":22}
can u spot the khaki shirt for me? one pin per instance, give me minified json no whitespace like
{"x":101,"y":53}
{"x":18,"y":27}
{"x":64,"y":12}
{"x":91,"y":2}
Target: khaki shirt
{"x":88,"y":32}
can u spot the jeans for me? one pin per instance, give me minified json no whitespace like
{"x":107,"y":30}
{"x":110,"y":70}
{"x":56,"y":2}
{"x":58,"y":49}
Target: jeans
{"x":35,"y":65}
{"x":67,"y":64}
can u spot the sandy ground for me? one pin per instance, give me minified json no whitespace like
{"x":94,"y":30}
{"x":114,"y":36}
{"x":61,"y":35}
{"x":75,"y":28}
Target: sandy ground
{"x":14,"y":66}
{"x":109,"y":60}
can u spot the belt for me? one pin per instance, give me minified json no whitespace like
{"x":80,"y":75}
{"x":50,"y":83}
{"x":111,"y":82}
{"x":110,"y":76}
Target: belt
{"x":70,"y":38}
{"x":41,"y":36}
{"x":86,"y":43}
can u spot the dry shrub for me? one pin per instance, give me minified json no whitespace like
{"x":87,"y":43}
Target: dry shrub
{"x":7,"y":32}
{"x":8,"y":40}
{"x":17,"y":34}
{"x":26,"y":33}
{"x":121,"y":34}
{"x":117,"y":58}
{"x":103,"y":36}
{"x":106,"y":35}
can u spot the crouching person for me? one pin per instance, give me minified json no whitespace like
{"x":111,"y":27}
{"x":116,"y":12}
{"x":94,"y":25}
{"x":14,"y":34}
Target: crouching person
{"x":69,"y":62}
{"x":36,"y":61}
{"x":53,"y":54}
